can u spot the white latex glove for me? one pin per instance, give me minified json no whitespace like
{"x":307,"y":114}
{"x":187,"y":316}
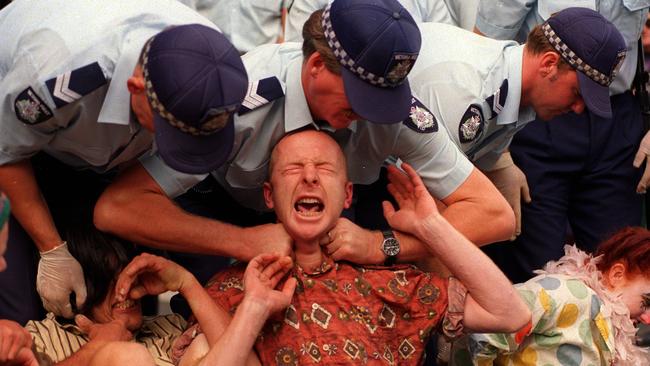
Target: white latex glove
{"x":59,"y":274}
{"x":642,"y":154}
{"x":512,"y":184}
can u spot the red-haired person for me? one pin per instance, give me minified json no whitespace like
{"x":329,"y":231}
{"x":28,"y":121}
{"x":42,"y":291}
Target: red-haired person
{"x":584,"y":309}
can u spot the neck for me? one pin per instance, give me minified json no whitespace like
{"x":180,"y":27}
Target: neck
{"x":528,"y":71}
{"x":309,"y":255}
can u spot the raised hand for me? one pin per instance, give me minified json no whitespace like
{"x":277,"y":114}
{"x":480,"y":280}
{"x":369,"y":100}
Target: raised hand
{"x":149,"y":274}
{"x":415,"y":202}
{"x":262,"y":275}
{"x":14,"y":342}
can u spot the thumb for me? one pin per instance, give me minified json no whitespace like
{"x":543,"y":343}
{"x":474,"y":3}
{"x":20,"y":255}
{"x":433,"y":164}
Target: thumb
{"x":83,"y":323}
{"x":80,"y":293}
{"x":525,"y":191}
{"x":389,"y":210}
{"x":639,"y":157}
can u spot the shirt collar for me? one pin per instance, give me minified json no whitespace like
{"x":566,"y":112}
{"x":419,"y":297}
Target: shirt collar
{"x":117,"y":103}
{"x":512,"y":112}
{"x":298,"y":114}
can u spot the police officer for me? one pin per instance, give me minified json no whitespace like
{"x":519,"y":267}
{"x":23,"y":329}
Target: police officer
{"x":420,"y":10}
{"x":578,"y":166}
{"x":86,"y":84}
{"x":484,"y":90}
{"x":347,"y":70}
{"x":246,"y":23}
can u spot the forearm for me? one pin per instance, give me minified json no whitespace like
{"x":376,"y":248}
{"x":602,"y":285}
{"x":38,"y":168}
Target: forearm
{"x":479,"y":211}
{"x":211,"y":317}
{"x":135,"y":208}
{"x":235,"y":346}
{"x":84,"y":355}
{"x":486,"y":284}
{"x":27,"y":204}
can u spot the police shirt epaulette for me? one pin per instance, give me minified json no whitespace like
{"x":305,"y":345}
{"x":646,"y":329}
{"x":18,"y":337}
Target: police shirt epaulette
{"x":72,"y":85}
{"x":261,"y":92}
{"x":497,"y":100}
{"x":420,"y":119}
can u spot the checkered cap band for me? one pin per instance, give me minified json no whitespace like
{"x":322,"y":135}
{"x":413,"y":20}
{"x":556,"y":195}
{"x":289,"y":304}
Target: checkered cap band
{"x":345,"y":60}
{"x":574,"y":60}
{"x":214,"y":125}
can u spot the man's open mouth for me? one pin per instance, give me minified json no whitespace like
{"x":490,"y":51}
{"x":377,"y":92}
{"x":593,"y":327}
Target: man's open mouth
{"x":309,"y":206}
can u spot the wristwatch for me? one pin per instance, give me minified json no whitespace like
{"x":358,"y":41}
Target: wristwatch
{"x":390,"y":247}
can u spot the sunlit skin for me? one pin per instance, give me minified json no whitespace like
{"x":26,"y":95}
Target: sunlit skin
{"x":139,"y":102}
{"x":308,"y":190}
{"x":550,"y":90}
{"x":325,"y":94}
{"x":129,"y":311}
{"x":632,"y":288}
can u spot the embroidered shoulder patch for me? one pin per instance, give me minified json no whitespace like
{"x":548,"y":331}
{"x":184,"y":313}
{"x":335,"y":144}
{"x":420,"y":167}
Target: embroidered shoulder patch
{"x":261,"y":92}
{"x":72,"y":85}
{"x":471,"y":124}
{"x":30,"y":108}
{"x":497,"y":100}
{"x":421,"y":119}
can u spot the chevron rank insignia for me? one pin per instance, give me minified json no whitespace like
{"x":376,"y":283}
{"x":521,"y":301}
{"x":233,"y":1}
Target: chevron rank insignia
{"x":471,"y":124}
{"x":72,"y":85}
{"x":30,"y":108}
{"x":261,"y":92}
{"x":497,"y":100}
{"x":420,"y":119}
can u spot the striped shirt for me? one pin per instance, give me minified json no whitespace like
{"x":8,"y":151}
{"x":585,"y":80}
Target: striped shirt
{"x":55,"y":342}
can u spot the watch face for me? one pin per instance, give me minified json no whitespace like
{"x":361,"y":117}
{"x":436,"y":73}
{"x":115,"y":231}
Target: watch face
{"x":390,"y":247}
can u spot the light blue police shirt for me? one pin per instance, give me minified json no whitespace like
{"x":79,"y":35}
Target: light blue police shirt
{"x":246,"y":23}
{"x":514,"y":19}
{"x":472,"y":84}
{"x":51,"y":51}
{"x":366,"y":145}
{"x":420,"y":10}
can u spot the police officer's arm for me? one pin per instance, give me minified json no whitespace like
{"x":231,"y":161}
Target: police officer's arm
{"x":59,"y":273}
{"x":504,"y":21}
{"x":28,"y":206}
{"x":136,"y":208}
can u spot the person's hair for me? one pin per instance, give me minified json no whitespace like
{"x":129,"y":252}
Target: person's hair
{"x":537,"y":44}
{"x":314,"y":41}
{"x":629,"y":246}
{"x":102,"y":257}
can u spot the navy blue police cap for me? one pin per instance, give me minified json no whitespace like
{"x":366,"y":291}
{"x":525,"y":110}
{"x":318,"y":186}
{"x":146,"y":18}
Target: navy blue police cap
{"x":195,"y":83}
{"x":376,"y":42}
{"x":594,"y":47}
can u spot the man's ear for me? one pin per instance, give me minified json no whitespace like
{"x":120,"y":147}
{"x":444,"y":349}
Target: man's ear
{"x":314,"y":64}
{"x":348,"y":195}
{"x":268,"y":194}
{"x":548,"y":64}
{"x":135,"y":83}
{"x":616,"y":276}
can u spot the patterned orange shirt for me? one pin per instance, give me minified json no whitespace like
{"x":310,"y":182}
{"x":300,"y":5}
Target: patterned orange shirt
{"x":345,"y":314}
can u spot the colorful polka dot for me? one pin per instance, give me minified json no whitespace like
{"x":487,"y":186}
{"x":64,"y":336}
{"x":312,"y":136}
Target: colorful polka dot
{"x":549,"y":283}
{"x":585,"y":332}
{"x":577,"y":288}
{"x":527,"y":357}
{"x":568,"y":316}
{"x":569,"y":355}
